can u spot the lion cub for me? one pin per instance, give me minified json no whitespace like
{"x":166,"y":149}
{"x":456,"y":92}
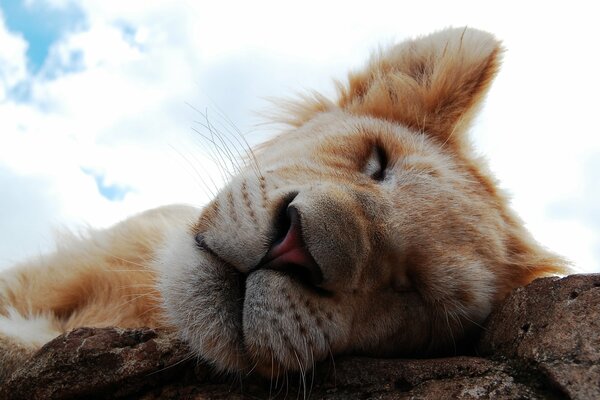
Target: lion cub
{"x":367,"y":227}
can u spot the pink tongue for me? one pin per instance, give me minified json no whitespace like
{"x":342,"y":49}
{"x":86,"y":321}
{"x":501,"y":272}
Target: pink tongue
{"x":290,"y":250}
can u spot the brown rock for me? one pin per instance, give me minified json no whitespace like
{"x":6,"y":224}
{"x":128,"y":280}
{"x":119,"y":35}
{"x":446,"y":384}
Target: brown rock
{"x":542,"y":343}
{"x":452,"y":378}
{"x":552,"y":326}
{"x":92,"y":362}
{"x":365,"y":378}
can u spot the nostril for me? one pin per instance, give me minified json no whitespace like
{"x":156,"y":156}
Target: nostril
{"x":289,"y":252}
{"x":293,"y":216}
{"x":282,"y":219}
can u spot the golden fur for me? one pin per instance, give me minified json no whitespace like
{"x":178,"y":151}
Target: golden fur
{"x":368,"y":227}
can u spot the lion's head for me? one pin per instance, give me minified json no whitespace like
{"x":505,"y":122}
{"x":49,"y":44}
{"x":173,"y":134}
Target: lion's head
{"x":369,"y":227}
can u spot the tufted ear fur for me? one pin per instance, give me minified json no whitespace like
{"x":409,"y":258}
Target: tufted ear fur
{"x":431,"y":84}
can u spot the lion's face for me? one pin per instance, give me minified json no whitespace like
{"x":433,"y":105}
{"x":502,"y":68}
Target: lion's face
{"x":353,"y":232}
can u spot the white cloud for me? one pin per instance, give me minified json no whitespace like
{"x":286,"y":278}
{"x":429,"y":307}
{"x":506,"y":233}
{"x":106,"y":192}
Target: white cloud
{"x":13,"y":62}
{"x":111,"y":99}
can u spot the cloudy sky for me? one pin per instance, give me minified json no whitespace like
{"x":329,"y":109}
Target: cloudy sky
{"x":100,"y":102}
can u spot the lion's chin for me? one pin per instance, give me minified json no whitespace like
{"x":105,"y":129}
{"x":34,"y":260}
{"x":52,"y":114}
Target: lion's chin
{"x":216,"y":325}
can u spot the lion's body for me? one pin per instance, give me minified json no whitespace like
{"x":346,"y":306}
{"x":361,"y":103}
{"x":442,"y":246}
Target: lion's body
{"x":105,"y":278}
{"x":369,"y":227}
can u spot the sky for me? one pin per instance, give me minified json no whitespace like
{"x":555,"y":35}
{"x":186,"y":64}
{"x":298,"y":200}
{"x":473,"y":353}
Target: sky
{"x":106,"y":105}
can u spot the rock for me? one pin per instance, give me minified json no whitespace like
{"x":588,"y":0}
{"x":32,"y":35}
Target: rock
{"x":543,"y":342}
{"x":364,"y":378}
{"x":442,"y":378}
{"x":552,"y":326}
{"x":93,"y":362}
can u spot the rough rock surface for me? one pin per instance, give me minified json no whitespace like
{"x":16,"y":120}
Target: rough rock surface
{"x":553,"y":326}
{"x":543,"y":342}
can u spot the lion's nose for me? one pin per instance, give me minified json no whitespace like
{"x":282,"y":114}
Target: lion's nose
{"x":289,"y":252}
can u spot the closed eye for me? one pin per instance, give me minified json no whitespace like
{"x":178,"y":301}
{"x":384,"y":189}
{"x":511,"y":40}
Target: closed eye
{"x":376,"y":164}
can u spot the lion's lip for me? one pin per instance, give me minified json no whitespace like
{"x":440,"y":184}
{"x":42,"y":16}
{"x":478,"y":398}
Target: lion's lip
{"x":291,"y":253}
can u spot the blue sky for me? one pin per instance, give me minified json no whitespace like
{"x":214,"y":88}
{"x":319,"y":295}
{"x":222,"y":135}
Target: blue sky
{"x":41,"y":25}
{"x":95,"y":123}
{"x":112,"y":192}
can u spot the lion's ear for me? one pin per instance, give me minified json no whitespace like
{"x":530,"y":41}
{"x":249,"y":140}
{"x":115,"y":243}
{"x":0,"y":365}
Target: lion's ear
{"x":432,"y":84}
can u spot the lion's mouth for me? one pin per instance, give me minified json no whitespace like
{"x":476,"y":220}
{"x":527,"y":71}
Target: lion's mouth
{"x":288,"y":253}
